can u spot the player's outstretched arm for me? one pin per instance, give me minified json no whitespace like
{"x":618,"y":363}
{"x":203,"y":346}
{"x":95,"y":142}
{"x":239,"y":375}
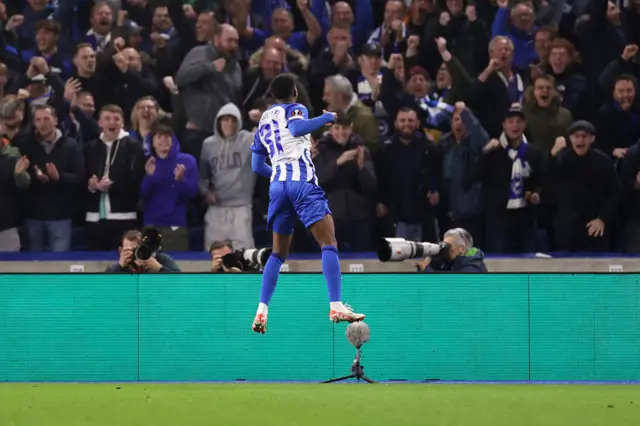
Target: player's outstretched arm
{"x":301,"y":127}
{"x":259,"y":165}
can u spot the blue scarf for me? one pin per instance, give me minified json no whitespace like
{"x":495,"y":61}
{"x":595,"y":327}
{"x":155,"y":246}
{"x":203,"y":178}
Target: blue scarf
{"x":515,"y":87}
{"x":519,"y":170}
{"x":437,"y":111}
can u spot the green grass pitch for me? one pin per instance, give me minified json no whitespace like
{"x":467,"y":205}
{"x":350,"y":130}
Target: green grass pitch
{"x":144,"y":404}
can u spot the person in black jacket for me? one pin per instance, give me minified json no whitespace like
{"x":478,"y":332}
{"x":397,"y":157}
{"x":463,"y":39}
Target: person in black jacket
{"x":409,"y":173}
{"x":589,"y":191}
{"x":13,"y":176}
{"x":57,"y":170}
{"x":114,"y":170}
{"x":128,"y":263}
{"x":346,"y":174}
{"x":630,"y":177}
{"x":510,"y":171}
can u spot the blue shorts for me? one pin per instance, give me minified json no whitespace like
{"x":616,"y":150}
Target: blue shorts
{"x":287,"y":200}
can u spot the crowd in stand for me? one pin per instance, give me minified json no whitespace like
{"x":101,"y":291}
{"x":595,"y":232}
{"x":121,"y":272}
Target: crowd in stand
{"x":516,"y":120}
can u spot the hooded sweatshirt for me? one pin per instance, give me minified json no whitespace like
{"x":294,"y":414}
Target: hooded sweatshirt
{"x":225,"y":163}
{"x":165,"y":198}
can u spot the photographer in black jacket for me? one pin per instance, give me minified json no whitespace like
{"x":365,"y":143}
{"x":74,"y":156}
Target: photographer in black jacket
{"x":461,"y":257}
{"x":128,"y":263}
{"x":218,"y":250}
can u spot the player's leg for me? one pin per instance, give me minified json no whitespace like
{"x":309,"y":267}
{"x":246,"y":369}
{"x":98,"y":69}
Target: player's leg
{"x":313,"y":210}
{"x":324,"y":233}
{"x":281,"y":219}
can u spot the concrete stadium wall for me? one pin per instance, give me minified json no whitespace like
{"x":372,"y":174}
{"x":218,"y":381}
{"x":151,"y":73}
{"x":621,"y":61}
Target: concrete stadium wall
{"x":189,"y":327}
{"x":356,"y":265}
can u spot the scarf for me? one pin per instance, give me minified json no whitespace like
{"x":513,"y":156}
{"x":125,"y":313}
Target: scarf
{"x":436,"y":110}
{"x":376,"y":37}
{"x":519,"y":170}
{"x":512,"y":86}
{"x":365,"y":94}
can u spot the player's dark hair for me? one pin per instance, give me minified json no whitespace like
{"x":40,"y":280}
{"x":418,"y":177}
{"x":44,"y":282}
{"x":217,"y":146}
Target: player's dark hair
{"x":283,"y":87}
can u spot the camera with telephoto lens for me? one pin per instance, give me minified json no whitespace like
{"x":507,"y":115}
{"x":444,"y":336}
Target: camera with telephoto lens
{"x":247,"y":260}
{"x":151,"y":244}
{"x":399,"y":249}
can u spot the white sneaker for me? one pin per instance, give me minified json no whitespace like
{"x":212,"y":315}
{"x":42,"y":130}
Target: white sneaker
{"x":344,"y":313}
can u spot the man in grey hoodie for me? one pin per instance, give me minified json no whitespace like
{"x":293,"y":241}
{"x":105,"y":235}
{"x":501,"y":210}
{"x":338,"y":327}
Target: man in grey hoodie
{"x":226,"y":180}
{"x":209,"y":77}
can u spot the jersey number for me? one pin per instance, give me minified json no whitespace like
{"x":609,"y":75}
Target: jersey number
{"x":271,"y":136}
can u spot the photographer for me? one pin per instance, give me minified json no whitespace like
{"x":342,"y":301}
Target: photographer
{"x":130,"y":263}
{"x":461,"y":256}
{"x":218,"y":250}
{"x":225,"y":259}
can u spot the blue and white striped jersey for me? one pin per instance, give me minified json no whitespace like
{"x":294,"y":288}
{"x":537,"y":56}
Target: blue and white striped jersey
{"x":290,"y":156}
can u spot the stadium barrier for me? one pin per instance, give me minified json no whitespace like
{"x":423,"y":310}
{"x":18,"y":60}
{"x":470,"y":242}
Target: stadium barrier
{"x":195,"y":327}
{"x":350,"y":262}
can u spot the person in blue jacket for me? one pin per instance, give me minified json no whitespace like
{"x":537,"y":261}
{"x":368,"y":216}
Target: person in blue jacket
{"x":518,"y":24}
{"x":462,"y":256}
{"x":171,"y":180}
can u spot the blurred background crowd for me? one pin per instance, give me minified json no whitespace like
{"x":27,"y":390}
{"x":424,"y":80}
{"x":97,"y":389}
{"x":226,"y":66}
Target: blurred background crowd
{"x":516,"y":120}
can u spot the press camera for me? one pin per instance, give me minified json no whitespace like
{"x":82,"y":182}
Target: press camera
{"x":247,"y":260}
{"x":399,"y":249}
{"x":151,"y":244}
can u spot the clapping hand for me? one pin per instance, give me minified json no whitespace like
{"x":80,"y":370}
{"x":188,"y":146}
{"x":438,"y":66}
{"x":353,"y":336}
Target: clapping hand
{"x":178,"y":173}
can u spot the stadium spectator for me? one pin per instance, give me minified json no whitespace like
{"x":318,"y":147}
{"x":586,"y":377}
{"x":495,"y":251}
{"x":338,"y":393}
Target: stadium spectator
{"x":210,"y":76}
{"x":335,"y":59}
{"x":170,"y":181}
{"x":511,"y":174}
{"x":463,"y":30}
{"x":56,"y":166}
{"x":179,"y":63}
{"x":14,"y":176}
{"x":369,"y":82}
{"x":257,"y":80}
{"x":146,"y":114}
{"x":498,"y":86}
{"x":392,"y":34}
{"x":564,"y":66}
{"x":340,"y":98}
{"x":346,"y":173}
{"x":630,"y":178}
{"x":12,"y":116}
{"x":462,"y":206}
{"x":546,"y":119}
{"x":617,"y":119}
{"x":409,"y":179}
{"x":79,"y":109}
{"x":102,"y":22}
{"x":47,"y":38}
{"x":114,"y":171}
{"x":226,"y":181}
{"x":293,"y":61}
{"x":589,"y":192}
{"x":518,"y":24}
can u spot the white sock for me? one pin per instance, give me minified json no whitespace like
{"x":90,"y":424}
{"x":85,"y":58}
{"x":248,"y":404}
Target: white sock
{"x":336,"y":306}
{"x":262,"y":309}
